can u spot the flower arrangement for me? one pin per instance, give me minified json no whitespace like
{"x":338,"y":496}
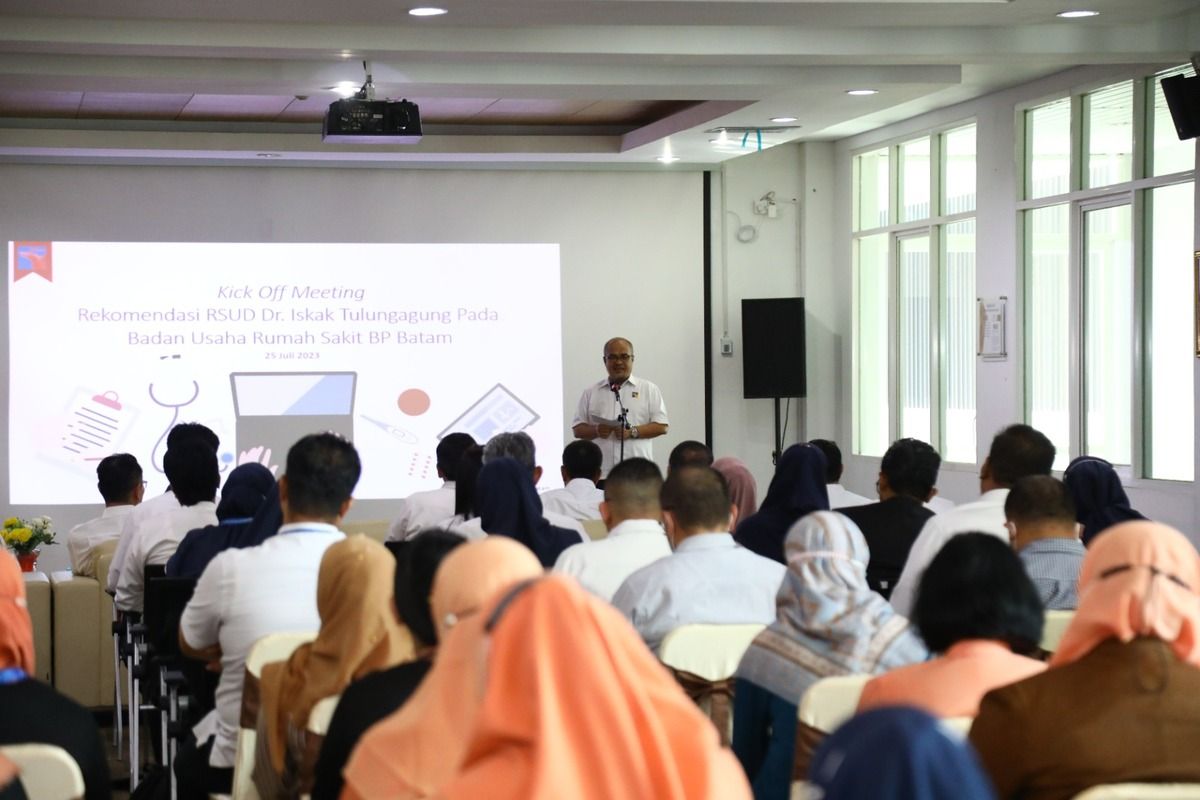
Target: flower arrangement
{"x":25,"y":536}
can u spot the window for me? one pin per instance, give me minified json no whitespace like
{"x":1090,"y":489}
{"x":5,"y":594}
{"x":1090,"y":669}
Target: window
{"x":1107,"y":221}
{"x":914,"y":291}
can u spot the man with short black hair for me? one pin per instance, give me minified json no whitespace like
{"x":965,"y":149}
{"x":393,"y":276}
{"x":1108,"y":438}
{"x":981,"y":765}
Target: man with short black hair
{"x":579,"y":498}
{"x":245,"y":594}
{"x":1040,"y":517}
{"x":1016,"y":451}
{"x":689,"y":453}
{"x":632,"y":513}
{"x":709,"y":578}
{"x":839,"y":496}
{"x":119,"y":479}
{"x":426,"y":509}
{"x":907,"y":475}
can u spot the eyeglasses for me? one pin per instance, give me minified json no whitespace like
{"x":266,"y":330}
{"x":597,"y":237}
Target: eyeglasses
{"x":619,"y":357}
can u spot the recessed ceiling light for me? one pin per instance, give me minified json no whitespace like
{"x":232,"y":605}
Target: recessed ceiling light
{"x":1077,"y":14}
{"x":784,"y":119}
{"x":344,"y":88}
{"x":862,"y":92}
{"x":426,"y":11}
{"x":269,"y":155}
{"x":668,"y":159}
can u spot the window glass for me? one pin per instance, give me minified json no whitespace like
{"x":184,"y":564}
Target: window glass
{"x":1169,"y":154}
{"x":958,"y":174}
{"x":872,"y":190}
{"x":871,"y":345}
{"x":1108,"y":333}
{"x":1048,"y":142}
{"x":1108,"y":120}
{"x":914,"y":180}
{"x":915,"y":338}
{"x":1170,"y":406}
{"x":959,"y":324}
{"x":1048,"y":318}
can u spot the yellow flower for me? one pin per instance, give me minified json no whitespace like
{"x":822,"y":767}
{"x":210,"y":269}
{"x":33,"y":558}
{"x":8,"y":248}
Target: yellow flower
{"x":12,"y":522}
{"x":21,"y":535}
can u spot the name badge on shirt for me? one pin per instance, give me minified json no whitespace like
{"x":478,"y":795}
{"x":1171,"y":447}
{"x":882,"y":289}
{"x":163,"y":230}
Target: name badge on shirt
{"x":634,"y":395}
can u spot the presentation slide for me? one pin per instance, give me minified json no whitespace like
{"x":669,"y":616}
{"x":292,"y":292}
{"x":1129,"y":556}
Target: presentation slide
{"x":390,"y":345}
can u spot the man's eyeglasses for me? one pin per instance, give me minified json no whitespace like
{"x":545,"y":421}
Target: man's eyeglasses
{"x":619,"y":357}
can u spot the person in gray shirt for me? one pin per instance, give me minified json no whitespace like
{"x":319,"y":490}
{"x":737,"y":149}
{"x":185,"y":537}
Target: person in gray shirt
{"x":1040,"y":517}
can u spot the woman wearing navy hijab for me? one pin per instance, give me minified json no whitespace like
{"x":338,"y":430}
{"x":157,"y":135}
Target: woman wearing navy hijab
{"x":797,"y":489}
{"x":249,"y":506}
{"x":508,"y":505}
{"x":1100,"y":499}
{"x":897,"y":753}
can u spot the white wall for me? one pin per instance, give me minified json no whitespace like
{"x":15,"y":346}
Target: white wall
{"x":631,"y":246}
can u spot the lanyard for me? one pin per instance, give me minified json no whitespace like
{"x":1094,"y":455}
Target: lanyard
{"x":309,"y":530}
{"x":237,"y":520}
{"x":12,"y":675}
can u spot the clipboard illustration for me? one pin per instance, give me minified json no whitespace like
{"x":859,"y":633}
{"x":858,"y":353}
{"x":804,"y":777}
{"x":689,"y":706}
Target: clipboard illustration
{"x":94,"y":425}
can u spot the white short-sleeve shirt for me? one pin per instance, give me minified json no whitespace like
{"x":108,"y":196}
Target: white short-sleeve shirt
{"x":644,"y":402}
{"x":602,"y":566}
{"x":85,"y":537}
{"x":422,"y":510}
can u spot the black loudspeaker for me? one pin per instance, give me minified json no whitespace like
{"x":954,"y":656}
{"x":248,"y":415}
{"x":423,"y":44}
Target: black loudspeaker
{"x":773,"y":348}
{"x":1183,"y":98}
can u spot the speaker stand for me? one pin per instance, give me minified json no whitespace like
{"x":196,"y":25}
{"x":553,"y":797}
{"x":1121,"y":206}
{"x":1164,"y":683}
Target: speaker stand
{"x":778,"y":436}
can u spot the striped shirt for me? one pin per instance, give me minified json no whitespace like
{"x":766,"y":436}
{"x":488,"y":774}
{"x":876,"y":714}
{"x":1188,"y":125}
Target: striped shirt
{"x":1053,"y":566}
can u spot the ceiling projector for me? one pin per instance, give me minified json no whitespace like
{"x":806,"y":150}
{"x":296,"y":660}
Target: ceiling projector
{"x":369,"y":121}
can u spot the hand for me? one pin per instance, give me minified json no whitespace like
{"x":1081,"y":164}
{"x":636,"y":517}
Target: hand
{"x":626,"y":433}
{"x":258,"y":455}
{"x":604,"y":431}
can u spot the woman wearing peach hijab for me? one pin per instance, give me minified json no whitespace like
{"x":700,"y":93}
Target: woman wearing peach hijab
{"x":1121,"y":700}
{"x":575,"y":706}
{"x":31,"y":711}
{"x":359,"y":634}
{"x":743,"y":490}
{"x":419,"y":747}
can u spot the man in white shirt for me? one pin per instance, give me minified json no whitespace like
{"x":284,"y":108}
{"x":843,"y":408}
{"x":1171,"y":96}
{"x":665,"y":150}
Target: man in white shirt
{"x":1016,"y":451}
{"x":709,"y":579}
{"x":579,"y":498}
{"x":192,"y":469}
{"x":426,"y":509}
{"x":119,"y":479}
{"x":601,"y":403}
{"x":246,"y":594}
{"x":632,"y":513}
{"x":839,"y":496}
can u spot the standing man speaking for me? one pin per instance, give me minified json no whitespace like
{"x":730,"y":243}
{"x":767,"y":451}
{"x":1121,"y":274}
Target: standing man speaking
{"x":598,"y":415}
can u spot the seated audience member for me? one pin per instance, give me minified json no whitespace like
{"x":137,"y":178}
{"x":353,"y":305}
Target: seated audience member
{"x":119,"y":479}
{"x":839,"y":496}
{"x":1100,"y":499}
{"x":633,"y":516}
{"x":1121,"y":700}
{"x":1041,"y":524}
{"x":33,"y":712}
{"x":377,"y":695}
{"x":689,"y":453}
{"x":245,"y":594}
{"x":1016,"y":451}
{"x":508,"y":505}
{"x":709,"y":578}
{"x":418,"y":748}
{"x":192,"y":470}
{"x":938,"y":504}
{"x":544,"y":646}
{"x":184,"y":431}
{"x":421,"y":510}
{"x":359,"y":634}
{"x":245,"y":492}
{"x":797,"y":489}
{"x":907,"y":475}
{"x":10,"y":781}
{"x":829,"y":622}
{"x":519,"y":447}
{"x":466,"y":476}
{"x":977,"y":610}
{"x":897,"y":754}
{"x":579,"y":498}
{"x":743,"y":489}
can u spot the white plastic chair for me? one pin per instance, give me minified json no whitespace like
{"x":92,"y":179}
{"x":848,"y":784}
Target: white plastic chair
{"x":47,"y":772}
{"x":831,"y":701}
{"x":957,"y":727}
{"x":322,"y":714}
{"x":711,"y":652}
{"x":272,"y":647}
{"x":1142,"y":791}
{"x":1055,"y":626}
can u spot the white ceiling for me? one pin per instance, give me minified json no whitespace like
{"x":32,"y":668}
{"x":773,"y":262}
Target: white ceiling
{"x":557,"y":81}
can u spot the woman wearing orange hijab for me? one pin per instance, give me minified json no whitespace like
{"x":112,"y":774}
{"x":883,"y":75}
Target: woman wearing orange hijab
{"x":359,"y":634}
{"x":31,"y":711}
{"x":1121,"y":700}
{"x":418,"y":748}
{"x":576,"y":706}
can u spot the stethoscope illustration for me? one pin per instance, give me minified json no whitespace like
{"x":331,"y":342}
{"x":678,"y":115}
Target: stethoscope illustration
{"x":154,"y":458}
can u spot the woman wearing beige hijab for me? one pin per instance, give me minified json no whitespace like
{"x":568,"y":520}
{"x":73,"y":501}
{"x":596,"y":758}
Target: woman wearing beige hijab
{"x":412,"y":752}
{"x":359,"y":634}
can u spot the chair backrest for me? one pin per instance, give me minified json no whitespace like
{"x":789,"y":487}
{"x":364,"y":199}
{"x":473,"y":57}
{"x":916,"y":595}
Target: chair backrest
{"x":711,"y":652}
{"x":47,"y":772}
{"x":274,"y":647}
{"x":164,"y":603}
{"x":831,"y":701}
{"x":594,"y":528}
{"x":1056,"y":624}
{"x":957,"y":727}
{"x":1142,"y":791}
{"x":321,"y":714}
{"x":376,"y":529}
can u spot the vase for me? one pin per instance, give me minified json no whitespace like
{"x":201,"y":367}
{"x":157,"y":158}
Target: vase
{"x":28,"y":561}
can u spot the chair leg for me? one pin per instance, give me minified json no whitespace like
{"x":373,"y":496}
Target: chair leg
{"x":118,"y":712}
{"x":135,"y":713}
